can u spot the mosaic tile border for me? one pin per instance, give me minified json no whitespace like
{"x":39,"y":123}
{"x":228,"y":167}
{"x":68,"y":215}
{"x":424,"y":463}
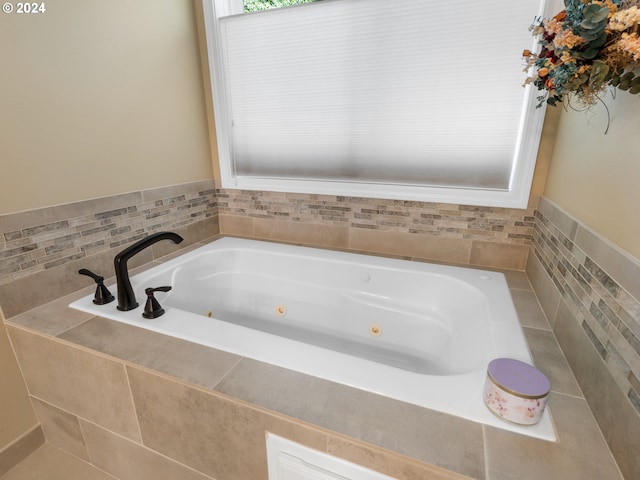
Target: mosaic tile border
{"x":34,"y":241}
{"x":599,"y":299}
{"x":500,"y":225}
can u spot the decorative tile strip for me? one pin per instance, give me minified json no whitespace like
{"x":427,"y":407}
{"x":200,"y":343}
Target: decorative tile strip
{"x":503,"y":225}
{"x":608,"y":314}
{"x":38,"y":247}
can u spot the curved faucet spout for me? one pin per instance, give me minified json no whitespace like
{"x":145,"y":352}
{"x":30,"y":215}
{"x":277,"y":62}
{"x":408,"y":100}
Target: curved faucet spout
{"x":126,"y":297}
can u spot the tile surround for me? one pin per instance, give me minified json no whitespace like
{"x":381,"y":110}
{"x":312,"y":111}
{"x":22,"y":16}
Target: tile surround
{"x":594,"y":283}
{"x":126,"y":460}
{"x":99,"y":385}
{"x":61,"y":428}
{"x":384,"y":462}
{"x":191,"y":362}
{"x":41,"y":250}
{"x":603,"y":294}
{"x":524,"y":454}
{"x":358,"y":414}
{"x":168,"y":410}
{"x":487,"y":236}
{"x":38,"y":240}
{"x":590,"y":291}
{"x":616,"y":416}
{"x":228,"y":412}
{"x":545,"y":349}
{"x":511,"y":226}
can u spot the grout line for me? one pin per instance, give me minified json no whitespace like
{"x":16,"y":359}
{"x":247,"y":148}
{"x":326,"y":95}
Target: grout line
{"x":133,"y":402}
{"x":485,"y":452}
{"x":227,"y":373}
{"x":148,"y":449}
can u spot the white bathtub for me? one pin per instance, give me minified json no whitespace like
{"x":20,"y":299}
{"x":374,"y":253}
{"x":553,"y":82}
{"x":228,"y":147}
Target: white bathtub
{"x":413,"y":331}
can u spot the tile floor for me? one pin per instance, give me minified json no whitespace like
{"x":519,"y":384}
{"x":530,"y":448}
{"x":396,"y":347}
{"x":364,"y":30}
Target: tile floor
{"x":51,"y":463}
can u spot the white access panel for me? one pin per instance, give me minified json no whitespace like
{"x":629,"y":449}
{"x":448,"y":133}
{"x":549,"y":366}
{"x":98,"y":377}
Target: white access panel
{"x":288,"y":460}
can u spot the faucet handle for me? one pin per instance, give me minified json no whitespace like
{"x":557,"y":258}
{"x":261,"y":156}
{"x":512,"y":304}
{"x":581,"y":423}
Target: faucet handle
{"x":102,"y":295}
{"x":152,"y":308}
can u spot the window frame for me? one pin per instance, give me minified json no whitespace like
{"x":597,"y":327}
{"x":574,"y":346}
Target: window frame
{"x":516,"y":196}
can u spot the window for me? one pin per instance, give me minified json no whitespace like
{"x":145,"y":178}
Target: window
{"x":234,"y":7}
{"x":257,"y":5}
{"x":378,"y":99}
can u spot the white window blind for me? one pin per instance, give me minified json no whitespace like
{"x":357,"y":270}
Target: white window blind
{"x":413,"y":93}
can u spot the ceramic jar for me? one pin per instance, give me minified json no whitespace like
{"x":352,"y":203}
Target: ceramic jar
{"x":516,"y":391}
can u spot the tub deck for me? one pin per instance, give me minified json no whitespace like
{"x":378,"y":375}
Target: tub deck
{"x":444,"y":324}
{"x":226,"y":402}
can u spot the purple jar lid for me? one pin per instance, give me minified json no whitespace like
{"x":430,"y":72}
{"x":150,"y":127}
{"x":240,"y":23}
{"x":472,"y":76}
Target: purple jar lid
{"x":518,"y":378}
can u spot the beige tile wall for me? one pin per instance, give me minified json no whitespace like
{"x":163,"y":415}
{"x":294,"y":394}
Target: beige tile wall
{"x":164,"y":428}
{"x":459,"y":234}
{"x":39,"y":248}
{"x":483,"y":236}
{"x":42,"y":250}
{"x":590,"y":291}
{"x":19,"y":428}
{"x":206,"y":410}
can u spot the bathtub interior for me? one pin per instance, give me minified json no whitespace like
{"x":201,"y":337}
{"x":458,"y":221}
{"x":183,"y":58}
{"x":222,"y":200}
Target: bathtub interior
{"x":427,"y":331}
{"x":403,"y":319}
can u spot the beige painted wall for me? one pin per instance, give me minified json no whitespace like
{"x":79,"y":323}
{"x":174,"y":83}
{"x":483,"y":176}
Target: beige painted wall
{"x":596,"y":177}
{"x":16,"y":414}
{"x":98,"y":98}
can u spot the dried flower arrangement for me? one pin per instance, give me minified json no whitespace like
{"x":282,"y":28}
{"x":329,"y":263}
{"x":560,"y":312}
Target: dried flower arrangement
{"x":587,"y":47}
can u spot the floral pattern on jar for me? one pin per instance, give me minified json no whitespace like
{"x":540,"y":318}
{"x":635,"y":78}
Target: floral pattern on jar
{"x":515,"y":409}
